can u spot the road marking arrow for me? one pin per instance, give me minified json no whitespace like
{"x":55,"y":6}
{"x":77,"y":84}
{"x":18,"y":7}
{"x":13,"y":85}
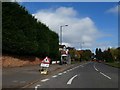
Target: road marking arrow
{"x":70,"y":81}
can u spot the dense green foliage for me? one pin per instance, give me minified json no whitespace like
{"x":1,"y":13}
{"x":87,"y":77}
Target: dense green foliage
{"x":115,"y":53}
{"x":24,"y":35}
{"x":110,"y":55}
{"x":86,"y":55}
{"x":107,"y":56}
{"x":99,"y":54}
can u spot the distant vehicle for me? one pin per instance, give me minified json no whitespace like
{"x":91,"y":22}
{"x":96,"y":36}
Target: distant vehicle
{"x":94,"y":60}
{"x":99,"y":61}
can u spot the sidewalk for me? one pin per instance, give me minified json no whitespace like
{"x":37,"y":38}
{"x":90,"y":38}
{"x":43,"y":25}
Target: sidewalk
{"x":24,"y":76}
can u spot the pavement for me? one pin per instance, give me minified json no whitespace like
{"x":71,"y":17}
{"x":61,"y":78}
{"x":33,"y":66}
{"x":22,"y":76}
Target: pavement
{"x":24,"y":76}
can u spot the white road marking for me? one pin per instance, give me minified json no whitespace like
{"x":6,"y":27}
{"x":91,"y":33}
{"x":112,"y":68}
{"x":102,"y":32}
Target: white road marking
{"x":70,"y":81}
{"x":81,"y":65}
{"x":105,"y":75}
{"x":54,"y":76}
{"x":95,"y":68}
{"x":64,"y":72}
{"x":44,"y":80}
{"x":37,"y":86}
{"x":60,"y":73}
{"x":68,"y":70}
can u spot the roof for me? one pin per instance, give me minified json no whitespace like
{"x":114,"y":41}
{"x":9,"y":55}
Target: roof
{"x":61,"y":46}
{"x":70,"y":48}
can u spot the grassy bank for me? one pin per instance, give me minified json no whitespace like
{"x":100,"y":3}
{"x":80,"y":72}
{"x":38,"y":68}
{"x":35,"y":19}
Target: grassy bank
{"x":114,"y":64}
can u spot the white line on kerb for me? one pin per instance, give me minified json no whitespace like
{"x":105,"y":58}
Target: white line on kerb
{"x":37,"y":87}
{"x":44,"y":80}
{"x":70,"y":81}
{"x":105,"y":75}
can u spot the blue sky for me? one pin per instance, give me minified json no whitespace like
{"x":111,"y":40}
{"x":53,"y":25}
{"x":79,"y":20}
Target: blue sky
{"x":100,"y":13}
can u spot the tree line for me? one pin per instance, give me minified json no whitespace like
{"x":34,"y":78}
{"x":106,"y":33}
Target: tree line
{"x":109,"y":55}
{"x":22,"y":34}
{"x":80,"y":55}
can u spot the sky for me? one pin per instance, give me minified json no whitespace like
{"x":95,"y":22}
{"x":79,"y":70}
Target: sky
{"x":91,"y":25}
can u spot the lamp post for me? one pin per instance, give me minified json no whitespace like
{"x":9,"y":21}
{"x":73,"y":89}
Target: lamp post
{"x":61,"y":39}
{"x":61,"y":33}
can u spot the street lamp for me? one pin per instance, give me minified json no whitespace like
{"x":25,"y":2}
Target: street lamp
{"x":61,"y":33}
{"x":61,"y":39}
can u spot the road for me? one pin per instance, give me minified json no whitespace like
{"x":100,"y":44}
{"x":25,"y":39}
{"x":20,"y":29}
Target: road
{"x":22,"y":76}
{"x":87,"y":75}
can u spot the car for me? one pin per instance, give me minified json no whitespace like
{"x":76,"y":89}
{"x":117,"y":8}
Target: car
{"x":99,"y":61}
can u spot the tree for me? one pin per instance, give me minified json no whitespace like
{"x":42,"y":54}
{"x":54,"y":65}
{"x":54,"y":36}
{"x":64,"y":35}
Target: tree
{"x":24,"y":35}
{"x":107,"y":56}
{"x":87,"y":55}
{"x":115,"y":53}
{"x":118,"y":54}
{"x":100,"y":57}
{"x":72,"y":53}
{"x":97,"y":53}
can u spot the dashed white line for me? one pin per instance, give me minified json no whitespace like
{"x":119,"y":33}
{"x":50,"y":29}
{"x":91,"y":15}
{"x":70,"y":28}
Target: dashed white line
{"x":81,"y":65}
{"x":101,"y":72}
{"x":60,"y":73}
{"x":54,"y":76}
{"x":37,"y":87}
{"x":64,"y":72}
{"x":70,"y":81}
{"x":105,"y":75}
{"x":68,"y":70}
{"x":44,"y":80}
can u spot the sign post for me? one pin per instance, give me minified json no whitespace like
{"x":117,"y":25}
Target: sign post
{"x":45,"y":65}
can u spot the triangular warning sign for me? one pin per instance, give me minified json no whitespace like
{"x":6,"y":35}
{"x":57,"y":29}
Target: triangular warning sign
{"x":46,"y":60}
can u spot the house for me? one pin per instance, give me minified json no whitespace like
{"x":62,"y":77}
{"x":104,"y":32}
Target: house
{"x":65,"y":57}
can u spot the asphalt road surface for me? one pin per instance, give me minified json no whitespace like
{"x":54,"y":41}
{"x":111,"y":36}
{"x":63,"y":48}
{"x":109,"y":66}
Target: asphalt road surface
{"x":88,"y":75}
{"x":22,"y":76}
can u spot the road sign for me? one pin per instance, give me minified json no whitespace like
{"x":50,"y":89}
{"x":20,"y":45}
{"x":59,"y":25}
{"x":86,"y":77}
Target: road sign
{"x":44,"y":65}
{"x":46,"y":60}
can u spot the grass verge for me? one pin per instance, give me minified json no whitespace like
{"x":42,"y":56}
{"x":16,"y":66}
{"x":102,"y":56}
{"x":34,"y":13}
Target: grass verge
{"x":114,"y":64}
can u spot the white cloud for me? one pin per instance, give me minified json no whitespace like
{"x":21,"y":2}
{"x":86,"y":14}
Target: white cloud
{"x":113,"y":10}
{"x":78,"y":29}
